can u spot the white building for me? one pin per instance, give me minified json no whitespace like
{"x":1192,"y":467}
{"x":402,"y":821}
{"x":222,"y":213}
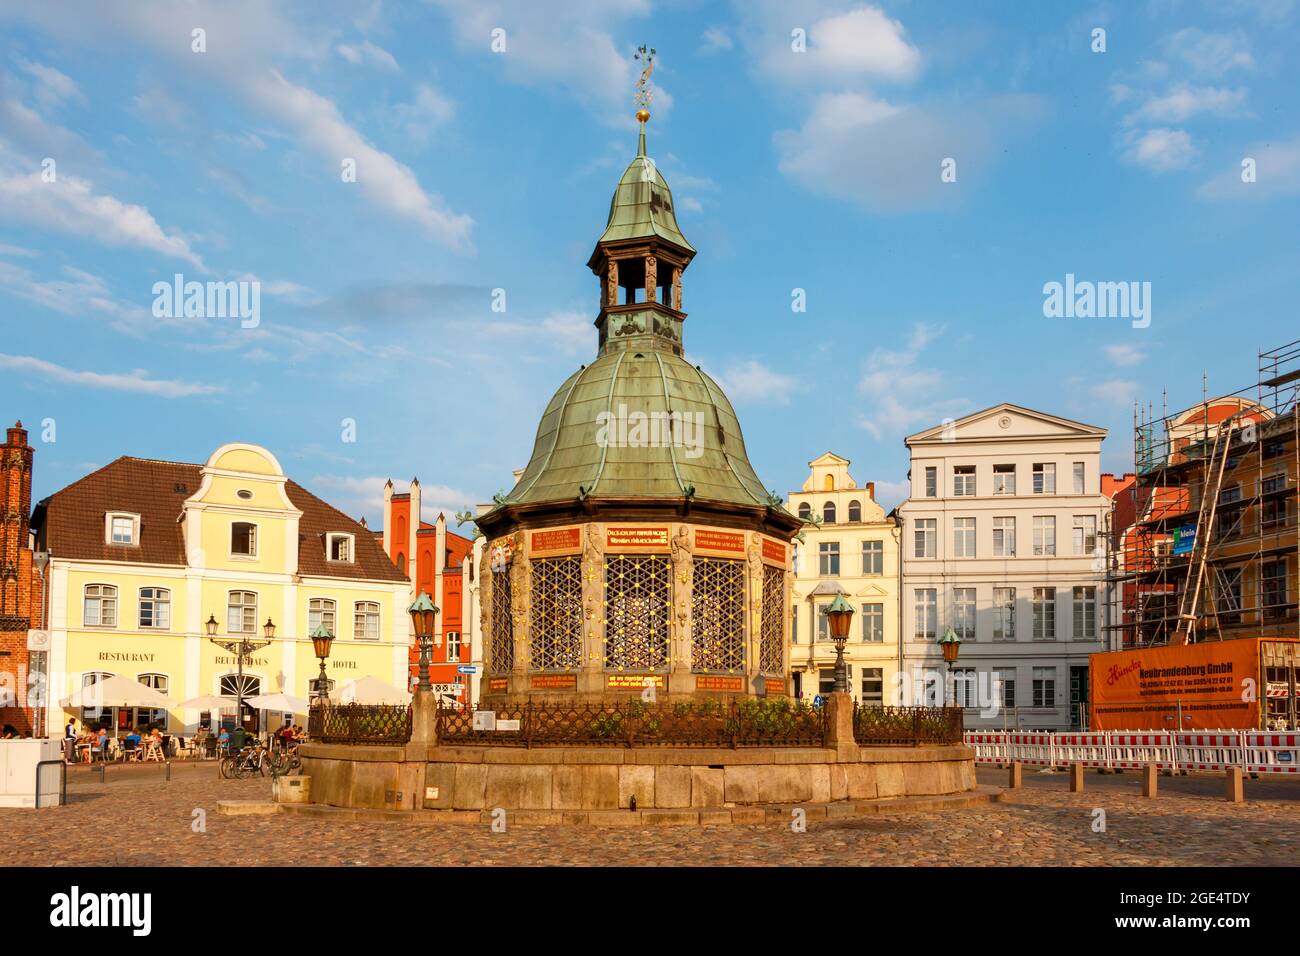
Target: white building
{"x":1000,"y":543}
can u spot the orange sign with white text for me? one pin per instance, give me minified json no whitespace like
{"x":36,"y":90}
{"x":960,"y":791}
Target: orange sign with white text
{"x":1212,"y":685}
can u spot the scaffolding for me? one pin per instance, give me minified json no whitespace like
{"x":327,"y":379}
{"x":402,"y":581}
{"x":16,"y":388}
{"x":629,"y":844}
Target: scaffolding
{"x":1211,"y":550}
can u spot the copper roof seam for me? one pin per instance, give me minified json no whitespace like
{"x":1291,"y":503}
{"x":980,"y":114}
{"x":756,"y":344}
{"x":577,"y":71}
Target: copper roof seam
{"x":725,"y":454}
{"x":555,"y":439}
{"x":668,"y":406}
{"x":609,"y":406}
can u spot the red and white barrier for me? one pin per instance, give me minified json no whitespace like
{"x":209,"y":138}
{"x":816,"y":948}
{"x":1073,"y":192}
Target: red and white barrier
{"x":989,"y":748}
{"x":1132,"y":751}
{"x":1034,"y":749}
{"x":1272,"y":753}
{"x":1091,"y":750}
{"x":1210,"y":752}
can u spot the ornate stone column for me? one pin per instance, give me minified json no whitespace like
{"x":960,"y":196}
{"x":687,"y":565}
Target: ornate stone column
{"x":753,"y":608}
{"x":611,"y":283}
{"x":651,"y":278}
{"x":591,"y":679}
{"x":677,"y":289}
{"x":520,"y":581}
{"x":680,"y":680}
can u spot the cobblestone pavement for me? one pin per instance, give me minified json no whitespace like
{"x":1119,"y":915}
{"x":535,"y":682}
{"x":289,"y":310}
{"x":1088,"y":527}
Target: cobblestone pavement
{"x":139,"y":820}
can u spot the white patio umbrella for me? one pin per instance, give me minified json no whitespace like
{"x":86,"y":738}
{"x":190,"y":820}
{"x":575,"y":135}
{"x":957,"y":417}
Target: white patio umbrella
{"x":208,"y":702}
{"x":371,"y":690}
{"x":116,"y":692}
{"x":285,"y":703}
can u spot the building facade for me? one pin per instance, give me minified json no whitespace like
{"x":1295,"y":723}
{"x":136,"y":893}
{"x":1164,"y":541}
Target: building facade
{"x":849,"y":546}
{"x":1001,"y":543}
{"x":22,"y":637}
{"x":143,"y":553}
{"x":433,"y":558}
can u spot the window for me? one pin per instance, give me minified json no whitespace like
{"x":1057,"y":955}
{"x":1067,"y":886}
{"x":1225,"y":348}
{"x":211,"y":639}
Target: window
{"x":1227,"y":595}
{"x":1004,"y":479}
{"x":963,"y":481}
{"x":1004,"y":614}
{"x":1274,"y":448}
{"x":146,"y":716}
{"x":932,"y":482}
{"x":1044,"y":686}
{"x":95,"y":715}
{"x":100,"y":609}
{"x":964,"y":687}
{"x":365,"y":621}
{"x":823,"y":622}
{"x":1272,"y":594}
{"x":794,"y":625}
{"x":927,"y":614}
{"x":122,"y":529}
{"x":1004,"y":537}
{"x":873,"y":557}
{"x":1044,"y":535}
{"x":828,"y":513}
{"x":1044,"y":614}
{"x":241,"y":612}
{"x":805,"y":511}
{"x":923,"y":533}
{"x":828,"y":559}
{"x":401,"y":563}
{"x":855,"y":510}
{"x":322,"y":611}
{"x":339,"y":547}
{"x":1005,"y":678}
{"x":873,"y":623}
{"x":243,"y":539}
{"x":963,"y":537}
{"x":1084,"y":534}
{"x":1045,"y":479}
{"x":1272,"y":509}
{"x":873,"y":686}
{"x":1085,"y":614}
{"x":1077,"y":472}
{"x":963,"y":607}
{"x":453,"y":646}
{"x":826,"y":681}
{"x":156,"y":608}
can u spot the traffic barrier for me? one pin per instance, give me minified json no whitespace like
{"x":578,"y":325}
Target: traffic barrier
{"x":1271,"y":753}
{"x":989,"y":748}
{"x":1131,"y":751}
{"x":1210,"y":752}
{"x":1034,"y":750}
{"x":1089,"y":750}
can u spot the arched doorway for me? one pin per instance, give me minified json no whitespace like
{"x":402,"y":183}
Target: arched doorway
{"x":251,"y":685}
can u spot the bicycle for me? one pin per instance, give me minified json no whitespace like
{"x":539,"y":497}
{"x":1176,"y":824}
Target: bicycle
{"x":252,"y":759}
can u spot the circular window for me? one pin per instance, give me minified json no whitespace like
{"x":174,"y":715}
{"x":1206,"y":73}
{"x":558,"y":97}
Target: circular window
{"x":244,"y":493}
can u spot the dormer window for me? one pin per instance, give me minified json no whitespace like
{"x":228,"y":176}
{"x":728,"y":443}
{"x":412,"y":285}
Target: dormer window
{"x":243,"y":539}
{"x":339,"y":547}
{"x":121,"y":528}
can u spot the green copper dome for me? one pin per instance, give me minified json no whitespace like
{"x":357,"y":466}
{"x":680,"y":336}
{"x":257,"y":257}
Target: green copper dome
{"x":642,"y":205}
{"x":639,"y":424}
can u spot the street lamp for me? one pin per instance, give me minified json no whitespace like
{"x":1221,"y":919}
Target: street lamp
{"x":839,"y":614}
{"x":243,"y":649}
{"x":951,"y":645}
{"x":321,"y":639}
{"x":423,"y":612}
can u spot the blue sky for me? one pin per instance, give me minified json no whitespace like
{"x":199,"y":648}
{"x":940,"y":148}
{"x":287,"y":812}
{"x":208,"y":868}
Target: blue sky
{"x":479,"y":170}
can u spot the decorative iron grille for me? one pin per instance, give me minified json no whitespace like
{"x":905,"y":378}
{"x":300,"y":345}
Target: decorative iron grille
{"x":502,"y":660}
{"x":360,"y":723}
{"x":771,"y":635}
{"x":874,"y":725}
{"x":718,"y":616}
{"x":633,"y":723}
{"x":636,"y":611}
{"x":555,"y":624}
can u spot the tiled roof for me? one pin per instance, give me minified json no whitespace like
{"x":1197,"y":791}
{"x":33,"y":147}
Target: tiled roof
{"x":72,"y":520}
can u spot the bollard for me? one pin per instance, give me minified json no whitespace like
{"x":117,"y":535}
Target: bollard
{"x":1149,"y":778}
{"x":1014,"y":777}
{"x":1235,"y":790}
{"x":1076,"y":778}
{"x":102,"y":772}
{"x":169,"y":771}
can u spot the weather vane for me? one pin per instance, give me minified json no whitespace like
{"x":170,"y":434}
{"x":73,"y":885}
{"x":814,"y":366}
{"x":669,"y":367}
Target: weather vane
{"x":643,"y":92}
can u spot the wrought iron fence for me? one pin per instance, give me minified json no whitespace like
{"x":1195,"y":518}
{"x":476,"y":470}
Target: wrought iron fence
{"x":635,"y":723}
{"x":879,"y":725}
{"x":360,"y":723}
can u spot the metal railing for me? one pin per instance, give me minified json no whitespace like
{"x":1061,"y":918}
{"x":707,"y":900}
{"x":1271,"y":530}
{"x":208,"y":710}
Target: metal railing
{"x":875,"y":725}
{"x":360,"y":723}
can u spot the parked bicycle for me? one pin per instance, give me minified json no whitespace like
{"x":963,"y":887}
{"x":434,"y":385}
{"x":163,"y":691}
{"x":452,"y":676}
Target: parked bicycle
{"x":253,"y":759}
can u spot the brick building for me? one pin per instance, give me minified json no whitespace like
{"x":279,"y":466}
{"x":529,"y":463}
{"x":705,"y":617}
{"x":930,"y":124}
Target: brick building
{"x":21,"y":605}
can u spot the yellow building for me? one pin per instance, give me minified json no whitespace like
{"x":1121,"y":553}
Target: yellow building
{"x":143,"y":553}
{"x":851,"y":547}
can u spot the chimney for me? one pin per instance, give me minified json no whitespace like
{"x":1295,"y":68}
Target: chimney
{"x":871,"y":490}
{"x":15,"y":513}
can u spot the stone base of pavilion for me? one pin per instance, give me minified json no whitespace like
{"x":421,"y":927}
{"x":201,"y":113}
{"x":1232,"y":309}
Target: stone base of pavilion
{"x":570,"y":781}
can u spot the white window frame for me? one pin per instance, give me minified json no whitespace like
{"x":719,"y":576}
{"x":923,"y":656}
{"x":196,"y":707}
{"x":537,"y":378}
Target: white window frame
{"x":453,"y":647}
{"x":926,"y":605}
{"x":1004,"y":614}
{"x":351,"y":539}
{"x":244,"y":608}
{"x":965,"y":613}
{"x":1044,"y":613}
{"x":873,"y":556}
{"x":364,"y":608}
{"x":327,"y":606}
{"x":828,"y":559}
{"x":1004,"y":482}
{"x":240,"y":555}
{"x":1083,"y":531}
{"x":924,"y":534}
{"x":1044,"y":536}
{"x":873,"y":614}
{"x":1085,"y":613}
{"x":963,"y":481}
{"x":930,"y":482}
{"x":963,"y":537}
{"x":1079,"y":477}
{"x":1044,"y":681}
{"x":1004,"y":680}
{"x":110,"y":517}
{"x":1004,"y":536}
{"x":1044,"y":481}
{"x":161,"y":597}
{"x":107,"y":592}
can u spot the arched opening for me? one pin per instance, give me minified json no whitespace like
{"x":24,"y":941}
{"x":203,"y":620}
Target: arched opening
{"x":828,"y":483}
{"x":855,"y":511}
{"x":828,"y":513}
{"x":805,"y":511}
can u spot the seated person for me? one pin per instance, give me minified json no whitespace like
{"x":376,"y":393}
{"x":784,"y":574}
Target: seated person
{"x":132,"y":740}
{"x":223,"y":739}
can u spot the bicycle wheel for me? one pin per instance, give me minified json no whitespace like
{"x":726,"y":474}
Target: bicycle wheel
{"x":229,"y":767}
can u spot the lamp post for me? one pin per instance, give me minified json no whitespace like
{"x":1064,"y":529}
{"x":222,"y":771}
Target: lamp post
{"x":839,"y":614}
{"x":423,"y":612}
{"x":951,"y":645}
{"x":243,"y":649}
{"x":321,"y":639}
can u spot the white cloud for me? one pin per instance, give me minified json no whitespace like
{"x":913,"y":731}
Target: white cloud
{"x":901,"y":389}
{"x":1161,"y":150}
{"x":1124,"y":355}
{"x":752,"y":381}
{"x":367,"y":53}
{"x":70,"y":205}
{"x":891,"y":493}
{"x":365,"y":496}
{"x":1212,"y":54}
{"x":137,"y":380}
{"x":862,"y":42}
{"x":1183,"y":102}
{"x":715,"y":40}
{"x":569,"y":330}
{"x":426,"y":112}
{"x":1277,"y":173}
{"x":1115,"y":391}
{"x":52,"y":88}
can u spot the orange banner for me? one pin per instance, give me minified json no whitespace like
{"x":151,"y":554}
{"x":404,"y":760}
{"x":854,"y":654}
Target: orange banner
{"x":725,"y":541}
{"x":553,"y":681}
{"x":774,"y":551}
{"x":616,"y":538}
{"x":1216,"y":685}
{"x":633,"y":681}
{"x":559,"y":539}
{"x":710,"y":682}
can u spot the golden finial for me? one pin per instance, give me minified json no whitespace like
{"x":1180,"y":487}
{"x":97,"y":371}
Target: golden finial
{"x":643,"y":92}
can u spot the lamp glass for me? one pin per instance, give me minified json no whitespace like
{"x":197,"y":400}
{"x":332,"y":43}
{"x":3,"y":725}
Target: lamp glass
{"x":211,"y":625}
